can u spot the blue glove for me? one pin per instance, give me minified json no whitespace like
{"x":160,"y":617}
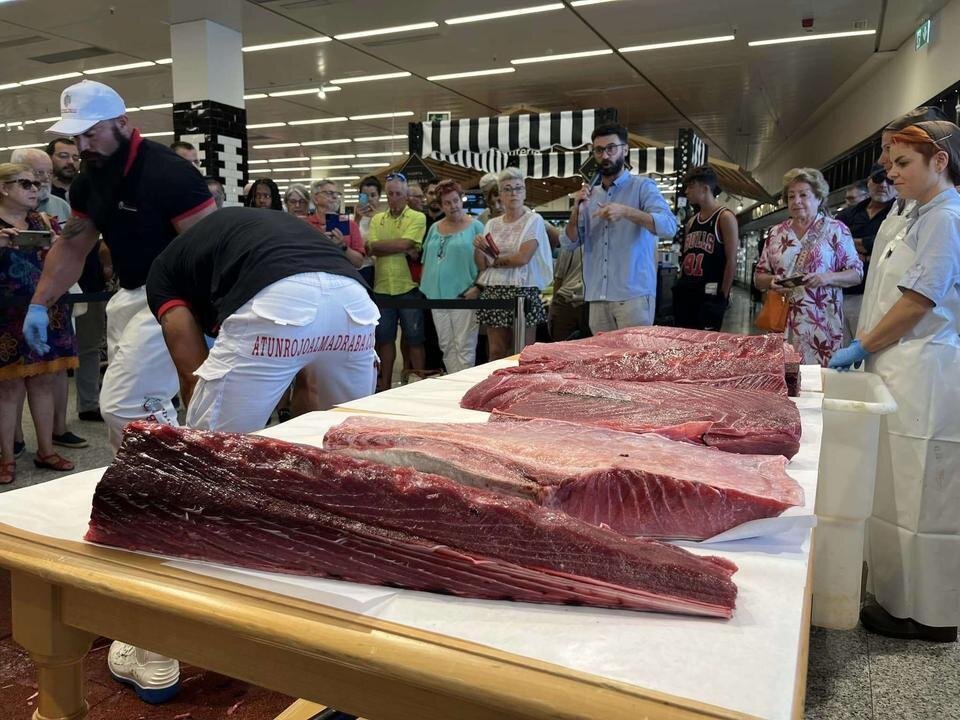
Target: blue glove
{"x":853,"y":354}
{"x":35,"y":329}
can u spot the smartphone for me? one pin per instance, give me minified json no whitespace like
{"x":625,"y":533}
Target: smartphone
{"x":494,"y":250}
{"x":791,"y":282}
{"x":340,"y":222}
{"x":363,"y":199}
{"x":33,"y":238}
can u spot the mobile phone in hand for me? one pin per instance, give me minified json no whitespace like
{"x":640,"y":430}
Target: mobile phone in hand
{"x":33,"y":238}
{"x":363,"y":199}
{"x":791,"y":282}
{"x":494,"y":250}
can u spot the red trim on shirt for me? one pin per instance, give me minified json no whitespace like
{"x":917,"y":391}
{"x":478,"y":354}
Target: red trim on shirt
{"x":135,"y":141}
{"x":193,"y":211}
{"x":170,"y":305}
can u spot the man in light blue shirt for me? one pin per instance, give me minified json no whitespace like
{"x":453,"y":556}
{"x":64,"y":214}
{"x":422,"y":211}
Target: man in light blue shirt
{"x":618,"y":222}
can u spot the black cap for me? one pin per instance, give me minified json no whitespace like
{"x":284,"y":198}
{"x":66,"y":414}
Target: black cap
{"x":945,"y":136}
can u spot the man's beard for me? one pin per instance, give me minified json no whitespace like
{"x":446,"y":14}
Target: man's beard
{"x":65,"y":174}
{"x":44,"y":193}
{"x":106,"y":173}
{"x":613,"y":169}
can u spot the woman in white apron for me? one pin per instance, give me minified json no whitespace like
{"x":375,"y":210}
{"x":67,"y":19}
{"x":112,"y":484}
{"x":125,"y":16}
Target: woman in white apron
{"x":912,"y":340}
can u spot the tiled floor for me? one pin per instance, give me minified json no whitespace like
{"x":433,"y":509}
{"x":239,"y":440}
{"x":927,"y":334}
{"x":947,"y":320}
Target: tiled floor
{"x":851,"y":675}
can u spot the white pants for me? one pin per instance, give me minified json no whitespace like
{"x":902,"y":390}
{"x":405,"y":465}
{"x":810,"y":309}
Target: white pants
{"x":608,"y":315}
{"x":324,"y":323}
{"x":457,"y":332}
{"x":141,"y":379}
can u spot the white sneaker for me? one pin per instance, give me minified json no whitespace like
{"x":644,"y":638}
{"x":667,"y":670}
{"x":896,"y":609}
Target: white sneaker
{"x":153,"y":677}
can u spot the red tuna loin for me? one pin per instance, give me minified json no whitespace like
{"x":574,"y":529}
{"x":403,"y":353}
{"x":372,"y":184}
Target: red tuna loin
{"x":270,"y":505}
{"x":731,"y":420}
{"x":643,"y":485}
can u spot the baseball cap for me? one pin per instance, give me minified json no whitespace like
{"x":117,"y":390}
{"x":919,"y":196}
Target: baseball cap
{"x":85,"y":104}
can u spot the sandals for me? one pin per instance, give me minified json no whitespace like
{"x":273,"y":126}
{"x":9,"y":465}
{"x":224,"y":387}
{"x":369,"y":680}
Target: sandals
{"x":8,"y":472}
{"x":52,"y":462}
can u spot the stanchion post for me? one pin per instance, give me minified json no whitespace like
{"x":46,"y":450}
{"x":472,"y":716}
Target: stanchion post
{"x":519,"y":326}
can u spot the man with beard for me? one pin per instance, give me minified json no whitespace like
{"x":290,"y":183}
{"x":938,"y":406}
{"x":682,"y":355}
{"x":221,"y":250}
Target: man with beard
{"x":63,"y":154}
{"x":431,"y":204}
{"x":618,"y":222}
{"x":139,"y":195}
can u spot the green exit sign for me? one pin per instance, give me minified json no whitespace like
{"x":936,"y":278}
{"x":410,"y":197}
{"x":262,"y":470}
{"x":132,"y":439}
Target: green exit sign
{"x":922,"y":36}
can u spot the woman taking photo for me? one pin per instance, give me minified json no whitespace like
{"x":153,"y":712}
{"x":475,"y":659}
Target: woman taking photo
{"x":914,"y":552}
{"x":21,"y":370}
{"x":518,"y":263}
{"x":817,"y":253}
{"x":326,"y":199}
{"x":449,"y":272}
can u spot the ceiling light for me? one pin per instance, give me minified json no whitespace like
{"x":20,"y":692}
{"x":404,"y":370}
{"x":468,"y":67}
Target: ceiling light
{"x":330,"y":157}
{"x":118,"y":68}
{"x":376,"y":116}
{"x":561,"y":56}
{"x":275,"y":145}
{"x":287,"y":93}
{"x":157,"y":134}
{"x":329,"y":167}
{"x":581,"y":3}
{"x":265,"y":125}
{"x":255,"y":96}
{"x":471,"y":73}
{"x":164,"y":61}
{"x":805,"y":38}
{"x":345,"y":177}
{"x":50,"y":78}
{"x":288,"y":43}
{"x":7,"y":86}
{"x":380,"y":137}
{"x":326,"y":142}
{"x":368,"y":78}
{"x":370,"y":165}
{"x":317,"y":121}
{"x":55,"y":118}
{"x":380,"y":154}
{"x":285,"y":160}
{"x":678,"y":43}
{"x":330,"y":88}
{"x":504,"y":14}
{"x":256,"y":162}
{"x":23,"y":147}
{"x":387,"y":30}
{"x":296,"y":169}
{"x":132,"y":109}
{"x":259,"y":171}
{"x":158,"y":106}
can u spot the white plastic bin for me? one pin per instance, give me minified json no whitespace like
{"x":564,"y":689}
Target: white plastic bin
{"x":853,"y":404}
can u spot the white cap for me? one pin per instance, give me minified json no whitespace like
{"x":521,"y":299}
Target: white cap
{"x":84,"y":105}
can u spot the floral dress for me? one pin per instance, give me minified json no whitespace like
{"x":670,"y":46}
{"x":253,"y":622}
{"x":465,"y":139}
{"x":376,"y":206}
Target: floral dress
{"x":20,"y":270}
{"x":815,"y":315}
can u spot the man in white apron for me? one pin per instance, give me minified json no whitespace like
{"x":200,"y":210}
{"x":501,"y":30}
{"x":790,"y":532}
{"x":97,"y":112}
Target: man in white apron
{"x":914,"y":533}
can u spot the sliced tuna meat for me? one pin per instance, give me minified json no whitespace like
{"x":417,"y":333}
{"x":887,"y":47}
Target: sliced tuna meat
{"x":269,"y":505}
{"x":642,"y":485}
{"x":753,"y":422}
{"x":748,"y":362}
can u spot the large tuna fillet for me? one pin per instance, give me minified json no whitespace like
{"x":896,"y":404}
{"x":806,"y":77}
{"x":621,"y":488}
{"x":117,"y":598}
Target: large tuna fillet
{"x":644,"y":485}
{"x":753,"y":421}
{"x":270,"y":505}
{"x":747,"y":362}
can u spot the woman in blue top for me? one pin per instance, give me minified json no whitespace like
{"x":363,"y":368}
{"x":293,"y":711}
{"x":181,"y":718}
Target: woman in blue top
{"x":450,"y":272}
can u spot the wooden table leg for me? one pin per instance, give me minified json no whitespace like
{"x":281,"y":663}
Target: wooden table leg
{"x":57,"y":649}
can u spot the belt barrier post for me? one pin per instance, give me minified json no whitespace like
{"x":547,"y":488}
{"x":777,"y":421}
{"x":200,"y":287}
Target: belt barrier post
{"x":519,"y":326}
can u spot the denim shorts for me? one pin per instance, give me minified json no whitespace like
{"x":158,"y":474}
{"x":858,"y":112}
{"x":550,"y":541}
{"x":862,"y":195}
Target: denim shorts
{"x":411,"y":320}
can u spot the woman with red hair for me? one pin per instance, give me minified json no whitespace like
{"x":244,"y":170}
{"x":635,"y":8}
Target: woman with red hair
{"x":914,"y":557}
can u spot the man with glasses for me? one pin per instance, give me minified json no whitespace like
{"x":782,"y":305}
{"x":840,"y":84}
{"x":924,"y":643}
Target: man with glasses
{"x":855,"y":194}
{"x":66,"y":163}
{"x":393,"y":233}
{"x":618,"y":222}
{"x":864,"y":220}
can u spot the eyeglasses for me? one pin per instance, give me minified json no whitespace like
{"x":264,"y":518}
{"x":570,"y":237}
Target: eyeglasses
{"x":26,"y":184}
{"x":512,"y":189}
{"x":880,"y":178}
{"x":330,"y":193}
{"x":296,"y":201}
{"x":397,"y":176}
{"x":611,"y":149}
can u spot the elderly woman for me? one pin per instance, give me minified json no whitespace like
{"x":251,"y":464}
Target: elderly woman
{"x":328,"y":220}
{"x":491,"y":197}
{"x":264,"y":193}
{"x":819,"y":252}
{"x":21,"y":370}
{"x":517,"y":264}
{"x":297,"y":200}
{"x":449,"y":272}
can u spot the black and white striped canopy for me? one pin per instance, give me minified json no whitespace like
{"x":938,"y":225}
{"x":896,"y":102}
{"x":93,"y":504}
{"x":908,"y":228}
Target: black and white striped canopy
{"x":558,"y":163}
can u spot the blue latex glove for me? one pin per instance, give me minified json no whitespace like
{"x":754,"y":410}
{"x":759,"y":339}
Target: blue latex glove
{"x":852,"y":355}
{"x":35,"y":329}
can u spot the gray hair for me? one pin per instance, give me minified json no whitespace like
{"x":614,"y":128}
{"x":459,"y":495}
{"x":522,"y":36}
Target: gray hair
{"x":510,"y":173}
{"x":296,"y":189}
{"x":488,"y":182}
{"x":23,"y":156}
{"x":813,"y":177}
{"x":317,"y":184}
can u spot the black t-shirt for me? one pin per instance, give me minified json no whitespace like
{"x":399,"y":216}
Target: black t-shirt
{"x":864,"y":227}
{"x":704,"y":256}
{"x":59,"y":192}
{"x":228,"y":257}
{"x":154,"y":188}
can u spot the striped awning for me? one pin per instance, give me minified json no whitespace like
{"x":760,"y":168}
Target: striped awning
{"x":507,"y":133}
{"x":558,"y":163}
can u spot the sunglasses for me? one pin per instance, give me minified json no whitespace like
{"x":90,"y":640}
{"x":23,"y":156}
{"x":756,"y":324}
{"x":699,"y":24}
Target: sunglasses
{"x":26,"y":184}
{"x":397,"y":176}
{"x":880,"y":178}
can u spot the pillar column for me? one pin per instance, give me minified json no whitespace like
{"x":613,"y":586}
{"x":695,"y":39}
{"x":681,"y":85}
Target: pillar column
{"x":208,"y":106}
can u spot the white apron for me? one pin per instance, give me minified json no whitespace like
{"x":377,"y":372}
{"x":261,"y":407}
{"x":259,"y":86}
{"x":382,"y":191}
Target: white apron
{"x":914,"y":533}
{"x":892,"y":229}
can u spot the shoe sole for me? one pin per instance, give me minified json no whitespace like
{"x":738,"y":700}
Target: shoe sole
{"x":74,"y":446}
{"x":153,"y":696}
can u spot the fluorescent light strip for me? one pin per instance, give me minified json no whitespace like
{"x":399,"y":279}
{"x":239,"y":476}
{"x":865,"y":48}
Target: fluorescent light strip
{"x":256,"y":162}
{"x":471,"y":73}
{"x":286,"y":160}
{"x":369,"y":165}
{"x":132,"y":109}
{"x":50,"y":78}
{"x":275,"y":145}
{"x":259,"y":171}
{"x":805,"y":38}
{"x":329,"y":167}
{"x":387,"y":30}
{"x":266,"y":125}
{"x":325,"y":142}
{"x":159,"y":106}
{"x":379,"y":154}
{"x":582,"y":3}
{"x":288,"y":43}
{"x":376,"y":138}
{"x":118,"y":68}
{"x":345,"y":177}
{"x":7,"y":86}
{"x":23,"y":147}
{"x":317,"y":121}
{"x":288,"y":93}
{"x":368,"y":78}
{"x":331,"y":157}
{"x":561,"y":56}
{"x":679,"y":43}
{"x":504,"y":14}
{"x":164,"y":61}
{"x":377,"y":116}
{"x":296,"y":169}
{"x":255,"y":96}
{"x":157,"y":134}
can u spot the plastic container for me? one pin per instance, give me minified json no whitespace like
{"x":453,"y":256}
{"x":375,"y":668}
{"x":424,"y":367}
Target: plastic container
{"x":853,"y":405}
